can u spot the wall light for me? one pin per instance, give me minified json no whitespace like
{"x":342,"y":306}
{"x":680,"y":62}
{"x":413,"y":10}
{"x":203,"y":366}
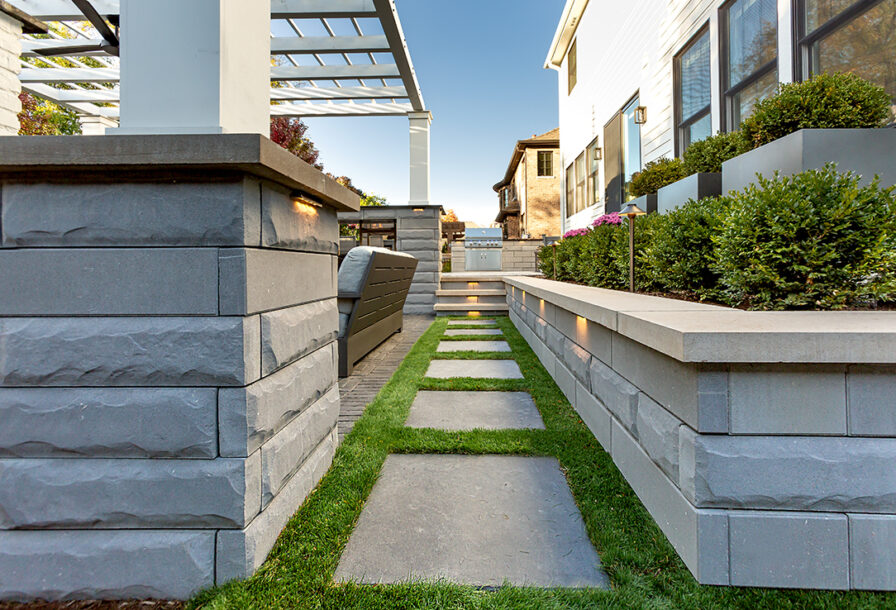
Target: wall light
{"x":418,"y":210}
{"x":641,"y":115}
{"x":306,"y":199}
{"x":598,"y":153}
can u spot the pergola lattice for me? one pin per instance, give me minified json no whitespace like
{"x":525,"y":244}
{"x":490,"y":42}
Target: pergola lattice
{"x":330,"y":58}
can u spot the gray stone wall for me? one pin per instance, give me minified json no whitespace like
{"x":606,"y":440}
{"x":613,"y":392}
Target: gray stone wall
{"x":168,"y":391}
{"x":769,"y":475}
{"x":418,"y":233}
{"x":516,"y":255}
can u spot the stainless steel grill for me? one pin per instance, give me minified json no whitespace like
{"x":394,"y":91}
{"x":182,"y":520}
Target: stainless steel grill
{"x":482,"y":249}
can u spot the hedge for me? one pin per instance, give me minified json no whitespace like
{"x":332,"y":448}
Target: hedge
{"x":817,"y":240}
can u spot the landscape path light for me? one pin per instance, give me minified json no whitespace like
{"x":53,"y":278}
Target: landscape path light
{"x":631,"y":211}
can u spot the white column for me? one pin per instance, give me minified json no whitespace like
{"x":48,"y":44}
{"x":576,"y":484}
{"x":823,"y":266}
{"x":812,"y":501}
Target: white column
{"x":10,"y":88}
{"x":419,"y":170}
{"x":201,"y":66}
{"x":95,"y":125}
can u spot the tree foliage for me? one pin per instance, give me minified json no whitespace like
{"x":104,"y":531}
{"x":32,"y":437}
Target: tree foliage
{"x":43,"y":118}
{"x":291,"y":134}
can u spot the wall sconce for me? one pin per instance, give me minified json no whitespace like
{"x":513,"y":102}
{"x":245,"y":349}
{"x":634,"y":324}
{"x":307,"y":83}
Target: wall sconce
{"x":304,"y":198}
{"x":641,"y":115}
{"x":598,"y":153}
{"x":417,"y":210}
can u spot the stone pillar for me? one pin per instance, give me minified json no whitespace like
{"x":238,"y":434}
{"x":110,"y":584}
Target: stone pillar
{"x":419,"y":229}
{"x":168,"y":389}
{"x":419,"y":170}
{"x":195,"y":67}
{"x":95,"y":125}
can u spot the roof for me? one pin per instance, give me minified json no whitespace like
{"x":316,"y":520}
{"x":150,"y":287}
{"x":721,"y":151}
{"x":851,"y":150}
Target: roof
{"x":330,"y":58}
{"x":30,"y":25}
{"x":550,"y":139}
{"x":566,"y":30}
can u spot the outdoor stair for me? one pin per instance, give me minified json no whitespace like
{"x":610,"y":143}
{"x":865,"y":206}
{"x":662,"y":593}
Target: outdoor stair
{"x":471,"y":294}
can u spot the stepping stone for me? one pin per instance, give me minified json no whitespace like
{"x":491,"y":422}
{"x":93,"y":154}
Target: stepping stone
{"x":477,"y":520}
{"x":461,"y":332}
{"x":471,"y":410}
{"x":473,"y":346}
{"x":478,"y":369}
{"x":471,"y":322}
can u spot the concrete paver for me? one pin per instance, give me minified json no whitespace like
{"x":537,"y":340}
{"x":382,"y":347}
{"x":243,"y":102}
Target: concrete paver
{"x":478,"y":369}
{"x":473,"y":346}
{"x":471,"y":410}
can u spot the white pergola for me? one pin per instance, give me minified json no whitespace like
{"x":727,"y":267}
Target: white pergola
{"x":328,"y":58}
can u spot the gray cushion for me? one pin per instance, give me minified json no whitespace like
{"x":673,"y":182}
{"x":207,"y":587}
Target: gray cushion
{"x":354,"y":267}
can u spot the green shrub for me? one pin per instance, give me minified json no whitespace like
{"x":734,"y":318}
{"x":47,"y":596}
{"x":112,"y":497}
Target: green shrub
{"x":708,"y":155}
{"x":824,"y":101}
{"x":645,"y":228}
{"x":680,"y":256}
{"x":817,"y":240}
{"x":656,"y":175}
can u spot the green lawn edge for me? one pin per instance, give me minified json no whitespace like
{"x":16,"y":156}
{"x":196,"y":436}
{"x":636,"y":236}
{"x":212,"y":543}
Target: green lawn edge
{"x":644,"y":569}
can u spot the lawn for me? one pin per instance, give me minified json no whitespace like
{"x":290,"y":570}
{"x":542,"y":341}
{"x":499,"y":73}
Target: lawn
{"x":644,"y":569}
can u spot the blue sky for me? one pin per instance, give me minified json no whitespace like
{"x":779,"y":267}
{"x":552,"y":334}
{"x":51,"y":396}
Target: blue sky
{"x":480,"y":67}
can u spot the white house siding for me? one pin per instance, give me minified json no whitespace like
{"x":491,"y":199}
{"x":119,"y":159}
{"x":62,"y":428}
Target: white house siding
{"x":10,"y":49}
{"x":628,"y":47}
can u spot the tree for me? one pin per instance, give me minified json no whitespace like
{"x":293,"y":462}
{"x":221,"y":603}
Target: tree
{"x":450,"y":216}
{"x":43,"y":118}
{"x":374,"y":201}
{"x":290,"y":133}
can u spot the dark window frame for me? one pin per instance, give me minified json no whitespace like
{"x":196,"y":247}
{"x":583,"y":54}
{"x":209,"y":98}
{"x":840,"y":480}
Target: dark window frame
{"x":727,"y":93}
{"x":681,"y":125}
{"x":572,"y":66}
{"x":570,"y":190}
{"x":803,"y":40}
{"x":549,"y":154}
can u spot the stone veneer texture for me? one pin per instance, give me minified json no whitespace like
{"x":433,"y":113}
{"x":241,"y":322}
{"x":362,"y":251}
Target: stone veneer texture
{"x":770,"y":475}
{"x":167,"y":381}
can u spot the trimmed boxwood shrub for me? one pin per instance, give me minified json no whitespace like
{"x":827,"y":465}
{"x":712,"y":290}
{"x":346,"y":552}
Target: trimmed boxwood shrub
{"x":706,"y":156}
{"x":656,"y":175}
{"x":824,"y":101}
{"x":817,"y":240}
{"x":681,"y":255}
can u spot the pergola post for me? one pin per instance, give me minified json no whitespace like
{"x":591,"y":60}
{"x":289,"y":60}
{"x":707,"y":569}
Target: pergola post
{"x":419,"y":166}
{"x":195,"y":67}
{"x":95,"y":125}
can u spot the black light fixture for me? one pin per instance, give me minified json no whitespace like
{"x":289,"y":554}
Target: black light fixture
{"x":641,"y":115}
{"x":300,"y":197}
{"x":631,"y":211}
{"x":598,"y":153}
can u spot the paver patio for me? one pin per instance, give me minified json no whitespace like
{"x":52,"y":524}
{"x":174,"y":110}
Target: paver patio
{"x":477,"y":369}
{"x":471,"y":410}
{"x":475,"y":519}
{"x":462,"y":332}
{"x":487,"y":322}
{"x":473,"y":346}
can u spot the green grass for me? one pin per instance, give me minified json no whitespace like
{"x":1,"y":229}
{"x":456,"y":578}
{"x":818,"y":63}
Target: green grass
{"x":643,"y":567}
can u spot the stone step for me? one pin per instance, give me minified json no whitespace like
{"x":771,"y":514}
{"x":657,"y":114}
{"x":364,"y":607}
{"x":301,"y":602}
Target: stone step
{"x":472,"y":301}
{"x":469,"y":309}
{"x":471,"y":293}
{"x":481,"y":284}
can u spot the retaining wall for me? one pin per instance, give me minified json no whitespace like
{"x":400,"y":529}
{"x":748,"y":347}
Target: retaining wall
{"x":168,"y":365}
{"x":761,"y":443}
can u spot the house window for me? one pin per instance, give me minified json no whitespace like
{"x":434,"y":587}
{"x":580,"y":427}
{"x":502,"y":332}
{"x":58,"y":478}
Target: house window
{"x":580,"y":182}
{"x":750,"y":56}
{"x":570,"y":190}
{"x":693,"y":92}
{"x":571,"y":66}
{"x":545,"y":163}
{"x":849,"y":36}
{"x":593,"y":182}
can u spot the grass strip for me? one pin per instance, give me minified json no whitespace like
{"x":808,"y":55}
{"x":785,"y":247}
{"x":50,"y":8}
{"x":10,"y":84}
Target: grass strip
{"x":644,"y":569}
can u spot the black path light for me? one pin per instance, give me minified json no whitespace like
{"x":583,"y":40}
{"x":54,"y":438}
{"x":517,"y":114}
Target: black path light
{"x":631,"y":211}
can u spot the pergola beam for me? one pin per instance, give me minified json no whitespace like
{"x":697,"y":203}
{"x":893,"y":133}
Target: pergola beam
{"x":355,"y":72}
{"x":331,"y":110}
{"x":30,"y":46}
{"x":338,"y":93}
{"x":69,"y":75}
{"x":388,"y":16}
{"x":315,"y":9}
{"x":330,"y":44}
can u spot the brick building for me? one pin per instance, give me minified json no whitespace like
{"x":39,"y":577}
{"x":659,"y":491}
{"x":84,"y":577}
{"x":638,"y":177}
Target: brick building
{"x":529,"y":194}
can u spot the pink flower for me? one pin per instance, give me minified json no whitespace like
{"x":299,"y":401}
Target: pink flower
{"x":575,"y":233}
{"x":607,"y":219}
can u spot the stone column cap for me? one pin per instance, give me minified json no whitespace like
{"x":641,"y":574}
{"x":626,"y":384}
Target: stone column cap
{"x":152,"y":157}
{"x":30,"y":25}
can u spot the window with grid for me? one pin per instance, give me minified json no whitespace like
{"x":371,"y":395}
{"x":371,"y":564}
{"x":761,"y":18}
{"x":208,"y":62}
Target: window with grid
{"x":580,"y":182}
{"x":593,"y":167}
{"x":572,"y":66}
{"x":750,"y":56}
{"x":693,"y":92}
{"x":570,"y":190}
{"x":545,"y":163}
{"x":849,"y":36}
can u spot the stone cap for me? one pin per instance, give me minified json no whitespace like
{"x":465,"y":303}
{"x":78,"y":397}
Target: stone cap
{"x":696,"y":332}
{"x":92,"y":158}
{"x":30,"y":25}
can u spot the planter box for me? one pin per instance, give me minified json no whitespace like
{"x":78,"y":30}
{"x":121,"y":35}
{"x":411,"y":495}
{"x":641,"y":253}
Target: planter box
{"x":645,"y":202}
{"x":864,"y":151}
{"x":761,"y":443}
{"x":696,"y":187}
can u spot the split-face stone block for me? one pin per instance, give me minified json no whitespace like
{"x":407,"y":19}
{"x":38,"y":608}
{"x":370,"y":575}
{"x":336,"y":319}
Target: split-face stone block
{"x":619,"y":396}
{"x":872,"y":552}
{"x":290,"y":333}
{"x":595,"y":415}
{"x":871,"y":399}
{"x":658,"y":434}
{"x":287,"y":225}
{"x":578,"y":361}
